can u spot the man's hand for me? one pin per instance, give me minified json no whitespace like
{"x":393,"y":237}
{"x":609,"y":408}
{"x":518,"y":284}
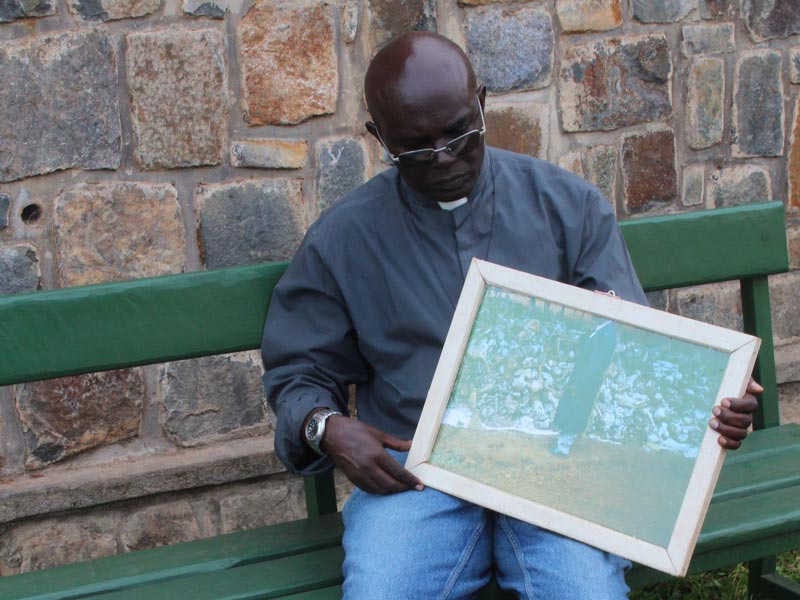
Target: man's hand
{"x":358,"y":450}
{"x":733,"y":418}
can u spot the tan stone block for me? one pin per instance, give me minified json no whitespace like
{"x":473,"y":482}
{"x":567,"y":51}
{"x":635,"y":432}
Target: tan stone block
{"x":269,"y":154}
{"x":349,"y":21}
{"x":705,"y":100}
{"x":115,"y":231}
{"x":485,"y":2}
{"x":793,"y":241}
{"x":518,"y":127}
{"x":178,"y":89}
{"x":789,"y":402}
{"x":693,"y":185}
{"x":577,"y":16}
{"x":44,"y":543}
{"x":793,"y":164}
{"x":275,"y":501}
{"x":601,"y":170}
{"x":572,"y":162}
{"x":288,"y":57}
{"x":159,"y":525}
{"x":61,"y":417}
{"x":716,"y":303}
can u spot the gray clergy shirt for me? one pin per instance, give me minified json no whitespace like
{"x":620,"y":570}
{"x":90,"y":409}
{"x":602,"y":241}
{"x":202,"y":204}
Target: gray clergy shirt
{"x":369,"y":296}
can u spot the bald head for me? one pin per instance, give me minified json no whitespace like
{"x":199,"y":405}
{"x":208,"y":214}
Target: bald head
{"x":415,"y":68}
{"x":421,"y":94}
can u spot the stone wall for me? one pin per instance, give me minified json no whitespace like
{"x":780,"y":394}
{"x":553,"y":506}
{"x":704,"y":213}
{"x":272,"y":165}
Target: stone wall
{"x":144,"y":137}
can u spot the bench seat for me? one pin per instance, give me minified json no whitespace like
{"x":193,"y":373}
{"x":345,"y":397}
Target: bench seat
{"x":755,"y":511}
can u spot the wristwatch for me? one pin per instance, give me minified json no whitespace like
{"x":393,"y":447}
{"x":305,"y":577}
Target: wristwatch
{"x":315,"y":429}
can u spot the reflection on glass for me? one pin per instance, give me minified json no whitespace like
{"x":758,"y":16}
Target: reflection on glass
{"x":572,"y":410}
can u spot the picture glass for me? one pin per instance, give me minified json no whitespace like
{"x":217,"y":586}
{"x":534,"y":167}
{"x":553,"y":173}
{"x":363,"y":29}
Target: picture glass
{"x":573,"y":410}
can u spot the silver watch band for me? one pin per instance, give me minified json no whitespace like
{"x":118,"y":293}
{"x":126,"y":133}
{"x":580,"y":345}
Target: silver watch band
{"x":319,"y":420}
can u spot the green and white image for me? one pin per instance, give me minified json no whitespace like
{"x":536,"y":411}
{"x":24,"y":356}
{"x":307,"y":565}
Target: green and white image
{"x":573,"y":410}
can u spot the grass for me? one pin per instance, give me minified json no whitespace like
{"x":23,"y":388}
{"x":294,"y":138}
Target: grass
{"x":728,"y":584}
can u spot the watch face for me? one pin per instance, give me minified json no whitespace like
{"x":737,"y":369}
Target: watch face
{"x":312,"y":428}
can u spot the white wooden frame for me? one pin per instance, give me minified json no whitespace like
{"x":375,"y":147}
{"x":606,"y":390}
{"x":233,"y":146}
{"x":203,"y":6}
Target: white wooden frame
{"x":674,"y":559}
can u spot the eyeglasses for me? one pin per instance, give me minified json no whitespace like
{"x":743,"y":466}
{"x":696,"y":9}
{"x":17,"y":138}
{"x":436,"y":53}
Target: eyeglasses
{"x":463,"y":144}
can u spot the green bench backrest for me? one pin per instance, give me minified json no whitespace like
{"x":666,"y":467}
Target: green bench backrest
{"x":69,"y":331}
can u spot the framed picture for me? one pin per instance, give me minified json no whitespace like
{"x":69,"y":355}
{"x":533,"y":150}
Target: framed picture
{"x":581,"y":413}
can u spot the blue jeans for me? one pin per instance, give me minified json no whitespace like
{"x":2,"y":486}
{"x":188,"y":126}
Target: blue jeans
{"x":431,"y":546}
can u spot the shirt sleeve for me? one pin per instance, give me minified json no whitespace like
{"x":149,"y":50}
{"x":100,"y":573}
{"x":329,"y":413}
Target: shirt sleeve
{"x":310,"y":355}
{"x":603,"y":261}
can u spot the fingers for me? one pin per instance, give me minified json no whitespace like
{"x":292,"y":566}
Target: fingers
{"x":397,"y":472}
{"x":734,"y":416}
{"x":358,"y":450}
{"x":389,"y":441}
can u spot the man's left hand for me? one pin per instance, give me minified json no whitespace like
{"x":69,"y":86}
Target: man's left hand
{"x":733,"y":418}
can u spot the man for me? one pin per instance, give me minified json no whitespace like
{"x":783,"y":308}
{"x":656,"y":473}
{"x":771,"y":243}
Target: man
{"x":368,"y":300}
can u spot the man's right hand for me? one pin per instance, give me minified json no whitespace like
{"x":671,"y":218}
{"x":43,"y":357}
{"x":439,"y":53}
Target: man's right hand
{"x":358,"y":450}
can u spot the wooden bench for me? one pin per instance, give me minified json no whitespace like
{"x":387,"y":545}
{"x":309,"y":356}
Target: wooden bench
{"x":754,"y":515}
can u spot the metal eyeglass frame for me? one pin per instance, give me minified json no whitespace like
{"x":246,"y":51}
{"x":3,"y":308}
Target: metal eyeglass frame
{"x":446,"y":148}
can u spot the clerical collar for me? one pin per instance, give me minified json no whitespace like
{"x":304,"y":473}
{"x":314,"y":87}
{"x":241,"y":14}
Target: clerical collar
{"x":453,"y":203}
{"x":423,"y":201}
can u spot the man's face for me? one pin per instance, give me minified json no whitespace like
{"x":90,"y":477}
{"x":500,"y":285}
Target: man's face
{"x":431,"y":121}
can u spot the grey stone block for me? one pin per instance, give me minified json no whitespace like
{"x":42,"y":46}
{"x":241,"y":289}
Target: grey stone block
{"x":662,"y":11}
{"x":794,"y":66}
{"x":758,"y":105}
{"x":19,"y":269}
{"x":708,"y":39}
{"x":207,"y":397}
{"x":213,"y":9}
{"x":608,"y":84}
{"x":11,"y":10}
{"x":770,"y":19}
{"x":109,"y":10}
{"x":389,"y":18}
{"x":511,"y":48}
{"x":248,"y":222}
{"x":739,"y":185}
{"x":5,"y":206}
{"x":341,"y":167}
{"x":58,"y":105}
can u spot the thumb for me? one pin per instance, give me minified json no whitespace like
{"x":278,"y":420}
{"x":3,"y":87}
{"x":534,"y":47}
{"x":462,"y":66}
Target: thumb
{"x":754,"y":387}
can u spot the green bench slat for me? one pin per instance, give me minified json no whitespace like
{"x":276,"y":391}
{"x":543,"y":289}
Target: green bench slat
{"x":706,"y":246}
{"x":740,"y":530}
{"x":271,"y":579}
{"x":741,"y":520}
{"x":330,"y":593}
{"x":768,"y":460}
{"x":169,"y":562}
{"x":107,"y":326}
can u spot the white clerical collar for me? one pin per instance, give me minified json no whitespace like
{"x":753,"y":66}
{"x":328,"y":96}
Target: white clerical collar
{"x":453,"y":203}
